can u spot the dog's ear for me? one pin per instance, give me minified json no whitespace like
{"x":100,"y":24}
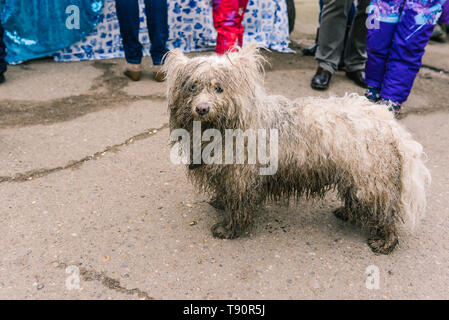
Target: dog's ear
{"x":248,"y":63}
{"x":247,"y":57}
{"x":173,"y":61}
{"x":248,"y":66}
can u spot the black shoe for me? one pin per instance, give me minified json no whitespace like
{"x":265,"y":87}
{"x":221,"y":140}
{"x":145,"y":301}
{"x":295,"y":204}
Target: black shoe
{"x":321,"y":79}
{"x":2,"y":78}
{"x":358,"y":77}
{"x":310,"y":51}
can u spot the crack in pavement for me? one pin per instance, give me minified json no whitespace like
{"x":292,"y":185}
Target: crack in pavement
{"x":42,"y":172}
{"x":436,"y":69}
{"x":108,"y":282}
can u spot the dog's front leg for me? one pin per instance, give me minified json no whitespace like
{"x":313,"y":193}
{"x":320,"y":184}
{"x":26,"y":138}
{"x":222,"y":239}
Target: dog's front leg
{"x":234,"y":224}
{"x":217,"y":202}
{"x":238,"y":214}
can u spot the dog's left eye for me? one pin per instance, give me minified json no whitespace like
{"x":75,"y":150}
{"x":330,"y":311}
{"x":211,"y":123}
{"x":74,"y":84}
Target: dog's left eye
{"x":218,"y":89}
{"x":192,"y":88}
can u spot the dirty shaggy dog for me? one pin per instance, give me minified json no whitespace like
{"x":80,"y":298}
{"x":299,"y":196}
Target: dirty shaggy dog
{"x":346,"y":144}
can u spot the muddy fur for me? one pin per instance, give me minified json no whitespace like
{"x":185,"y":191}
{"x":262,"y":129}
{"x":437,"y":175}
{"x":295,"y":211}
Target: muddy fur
{"x":345,"y":144}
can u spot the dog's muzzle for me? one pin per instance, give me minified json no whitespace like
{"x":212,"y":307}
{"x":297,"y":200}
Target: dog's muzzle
{"x":202,"y":109}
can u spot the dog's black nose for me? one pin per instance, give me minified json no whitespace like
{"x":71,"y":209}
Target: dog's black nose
{"x":202,"y":109}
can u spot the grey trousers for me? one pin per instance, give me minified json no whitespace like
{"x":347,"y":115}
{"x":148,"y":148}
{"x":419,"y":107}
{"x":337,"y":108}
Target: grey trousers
{"x":332,"y":33}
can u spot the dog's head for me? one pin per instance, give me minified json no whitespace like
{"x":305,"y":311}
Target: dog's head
{"x":219,"y":91}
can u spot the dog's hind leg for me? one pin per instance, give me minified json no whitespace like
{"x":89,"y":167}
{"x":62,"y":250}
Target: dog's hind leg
{"x":382,"y":226}
{"x":383,"y":234}
{"x":384,"y":239}
{"x":379,"y":219}
{"x":347,"y":212}
{"x":341,"y":213}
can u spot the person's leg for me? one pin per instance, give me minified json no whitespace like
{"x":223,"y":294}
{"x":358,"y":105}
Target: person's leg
{"x":382,"y":21}
{"x":239,"y":19}
{"x":128,"y":18}
{"x":320,"y":3}
{"x":355,"y":51}
{"x":351,"y":14}
{"x":310,"y":51}
{"x":334,"y":18}
{"x":157,"y":21}
{"x":228,"y":16}
{"x":2,"y":52}
{"x":410,"y":39}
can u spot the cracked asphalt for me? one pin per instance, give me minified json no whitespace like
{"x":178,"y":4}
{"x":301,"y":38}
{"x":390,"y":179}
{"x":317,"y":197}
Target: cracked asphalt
{"x":86,"y":181}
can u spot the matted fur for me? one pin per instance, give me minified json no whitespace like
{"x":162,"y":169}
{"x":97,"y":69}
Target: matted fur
{"x":343,"y":143}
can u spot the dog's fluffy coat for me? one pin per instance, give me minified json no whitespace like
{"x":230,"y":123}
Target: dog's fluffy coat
{"x":347,"y":144}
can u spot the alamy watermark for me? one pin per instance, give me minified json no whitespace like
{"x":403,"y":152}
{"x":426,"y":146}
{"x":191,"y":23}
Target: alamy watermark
{"x":372,"y":22}
{"x":372,"y":281}
{"x":73,"y":280}
{"x":257,"y":143}
{"x":73,"y":20}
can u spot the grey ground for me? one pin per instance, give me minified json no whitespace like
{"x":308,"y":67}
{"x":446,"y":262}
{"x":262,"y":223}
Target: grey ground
{"x":86,"y":180}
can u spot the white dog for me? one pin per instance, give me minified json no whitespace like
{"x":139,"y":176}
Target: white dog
{"x":348,"y":144}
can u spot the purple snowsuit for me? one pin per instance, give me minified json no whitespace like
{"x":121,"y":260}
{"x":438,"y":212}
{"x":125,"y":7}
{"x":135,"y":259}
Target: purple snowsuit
{"x":444,"y":19}
{"x":398,"y":32}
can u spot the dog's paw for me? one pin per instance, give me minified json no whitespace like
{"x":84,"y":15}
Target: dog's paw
{"x":217,"y":204}
{"x":221,"y":231}
{"x":382,"y":245}
{"x":341,"y":213}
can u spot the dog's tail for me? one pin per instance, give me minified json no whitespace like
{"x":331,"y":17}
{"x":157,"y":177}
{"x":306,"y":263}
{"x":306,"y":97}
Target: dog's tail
{"x":415,"y":177}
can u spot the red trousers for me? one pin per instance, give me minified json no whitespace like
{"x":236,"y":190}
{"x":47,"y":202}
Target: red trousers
{"x":228,"y":16}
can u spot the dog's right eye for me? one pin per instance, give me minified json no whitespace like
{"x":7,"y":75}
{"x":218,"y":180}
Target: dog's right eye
{"x":219,"y":89}
{"x":192,"y":88}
